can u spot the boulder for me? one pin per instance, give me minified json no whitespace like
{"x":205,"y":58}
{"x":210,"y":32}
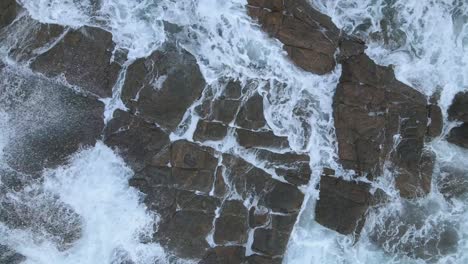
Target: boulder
{"x":453,"y":181}
{"x":283,"y":198}
{"x":261,"y":139}
{"x":436,"y":123}
{"x":371,"y":109}
{"x":27,"y":38}
{"x":458,"y":111}
{"x":272,"y":241}
{"x":459,"y":108}
{"x":209,"y":131}
{"x":231,"y":225}
{"x":163,"y":86}
{"x":250,"y":115}
{"x":137,"y":140}
{"x":342,"y":205}
{"x":459,"y":135}
{"x":84,"y":57}
{"x":8,"y":9}
{"x":258,"y":217}
{"x":48,"y":121}
{"x":309,"y":37}
{"x":224,"y":255}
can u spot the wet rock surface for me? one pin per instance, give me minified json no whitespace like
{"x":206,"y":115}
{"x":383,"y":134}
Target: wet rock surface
{"x":51,"y":121}
{"x":458,"y":112}
{"x":8,"y":9}
{"x":342,"y":205}
{"x":371,"y":109}
{"x":84,"y":57}
{"x":163,"y":86}
{"x":309,"y":37}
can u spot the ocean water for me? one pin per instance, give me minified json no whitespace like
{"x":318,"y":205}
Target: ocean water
{"x":425,"y":41}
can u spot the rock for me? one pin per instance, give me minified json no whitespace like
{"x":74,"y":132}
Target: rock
{"x":138,"y":141}
{"x":7,"y":12}
{"x":250,"y":115}
{"x":284,"y":198}
{"x":189,"y":179}
{"x":185,"y":233}
{"x":293,"y":167}
{"x":84,"y":57}
{"x":371,"y":108}
{"x":222,"y":110}
{"x":342,"y":205}
{"x":163,"y":86}
{"x":436,"y":121}
{"x":459,"y":108}
{"x":273,"y":242}
{"x":231,"y":226}
{"x":224,"y":255}
{"x":191,"y":156}
{"x":46,"y":120}
{"x":260,"y":139}
{"x":453,"y":182}
{"x":27,"y":38}
{"x":459,"y":135}
{"x":209,"y":131}
{"x":258,"y":217}
{"x":309,"y":38}
{"x":430,"y":240}
{"x":259,"y":259}
{"x":411,"y":185}
{"x":8,"y":256}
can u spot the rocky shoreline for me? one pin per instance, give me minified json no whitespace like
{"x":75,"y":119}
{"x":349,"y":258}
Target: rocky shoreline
{"x":215,"y":206}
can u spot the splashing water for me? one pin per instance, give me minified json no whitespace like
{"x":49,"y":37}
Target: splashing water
{"x":425,"y":40}
{"x":95,"y":187}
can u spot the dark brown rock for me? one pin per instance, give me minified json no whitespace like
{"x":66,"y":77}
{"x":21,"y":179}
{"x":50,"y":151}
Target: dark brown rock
{"x":272,"y":242}
{"x":8,"y":9}
{"x":185,"y":233}
{"x":263,"y":139}
{"x":28,"y":38}
{"x":371,"y":108}
{"x":258,"y":217}
{"x":411,"y":185}
{"x":83,"y":56}
{"x":293,"y":167}
{"x":231,"y":226}
{"x":162,"y":87}
{"x":189,"y":155}
{"x":189,"y":179}
{"x":224,"y":255}
{"x":137,"y":140}
{"x":222,"y":110}
{"x":459,"y":108}
{"x":453,"y":182}
{"x":436,"y":121}
{"x":459,"y":135}
{"x":209,"y":131}
{"x":259,"y":259}
{"x":49,"y":121}
{"x":250,"y":115}
{"x":342,"y":205}
{"x":284,"y":198}
{"x":310,"y":38}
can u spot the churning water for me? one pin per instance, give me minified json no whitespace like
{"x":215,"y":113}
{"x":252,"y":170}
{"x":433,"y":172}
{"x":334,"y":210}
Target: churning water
{"x":425,"y":40}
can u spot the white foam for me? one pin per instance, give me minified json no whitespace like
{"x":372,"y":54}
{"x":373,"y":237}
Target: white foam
{"x":114,"y":222}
